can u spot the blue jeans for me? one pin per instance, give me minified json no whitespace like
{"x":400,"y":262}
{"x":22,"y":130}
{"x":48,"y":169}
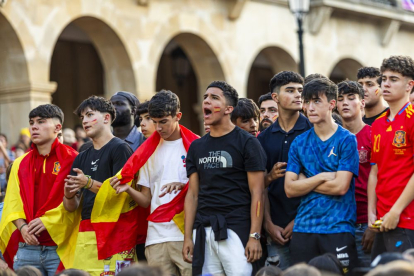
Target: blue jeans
{"x":363,"y":258}
{"x":44,"y":258}
{"x":278,"y":255}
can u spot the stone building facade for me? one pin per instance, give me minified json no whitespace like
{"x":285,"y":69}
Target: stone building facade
{"x":62,"y":51}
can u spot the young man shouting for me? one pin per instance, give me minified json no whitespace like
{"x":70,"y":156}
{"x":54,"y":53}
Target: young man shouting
{"x":370,"y":79}
{"x":90,"y":169}
{"x":327,"y":156}
{"x":350,"y":104}
{"x":35,"y":187}
{"x":268,"y":111}
{"x":391,"y":181}
{"x":280,"y":211}
{"x":246,"y":116}
{"x":224,"y":203}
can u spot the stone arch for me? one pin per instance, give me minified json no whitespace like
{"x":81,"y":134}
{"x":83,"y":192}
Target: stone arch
{"x":268,"y":62}
{"x":119,"y":74}
{"x":204,"y":66}
{"x":345,"y":68}
{"x":14,"y":80}
{"x":88,"y":59}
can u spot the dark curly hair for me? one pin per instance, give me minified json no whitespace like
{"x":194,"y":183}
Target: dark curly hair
{"x":142,"y":108}
{"x":229,"y":92}
{"x":314,"y":76}
{"x":400,"y":64}
{"x":265,"y":97}
{"x":350,"y":87}
{"x":47,"y":111}
{"x":319,"y":87}
{"x":284,"y":78}
{"x":369,"y":72}
{"x":245,"y":109}
{"x":164,"y":103}
{"x":96,"y":103}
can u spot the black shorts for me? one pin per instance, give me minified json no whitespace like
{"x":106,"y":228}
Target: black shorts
{"x":306,"y":246}
{"x":397,"y":240}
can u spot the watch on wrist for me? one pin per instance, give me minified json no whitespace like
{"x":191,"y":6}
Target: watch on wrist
{"x":255,"y":236}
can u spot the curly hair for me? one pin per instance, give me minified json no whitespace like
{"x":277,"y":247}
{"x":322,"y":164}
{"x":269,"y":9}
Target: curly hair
{"x":283,"y":78}
{"x":369,"y":72}
{"x":400,"y":64}
{"x":96,"y":103}
{"x":245,"y":109}
{"x":229,"y":92}
{"x":47,"y":111}
{"x":350,"y":87}
{"x":314,"y":76}
{"x":164,"y":103}
{"x":265,"y":97}
{"x":319,"y":87}
{"x":142,"y":108}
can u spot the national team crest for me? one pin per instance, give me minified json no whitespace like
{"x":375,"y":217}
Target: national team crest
{"x":399,"y":139}
{"x":363,"y":156}
{"x":56,"y":168}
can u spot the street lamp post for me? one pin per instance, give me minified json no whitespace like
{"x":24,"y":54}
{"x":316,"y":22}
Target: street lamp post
{"x":300,"y":8}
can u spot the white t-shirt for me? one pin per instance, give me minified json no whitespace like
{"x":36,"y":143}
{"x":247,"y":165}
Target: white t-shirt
{"x":166,"y":165}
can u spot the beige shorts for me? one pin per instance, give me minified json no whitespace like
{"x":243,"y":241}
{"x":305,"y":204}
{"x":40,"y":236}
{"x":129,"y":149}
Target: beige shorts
{"x":168,"y":256}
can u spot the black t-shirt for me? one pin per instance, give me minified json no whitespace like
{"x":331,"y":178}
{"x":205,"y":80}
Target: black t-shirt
{"x":276,"y":143}
{"x":100,"y":165}
{"x":370,"y":120}
{"x":222,"y":164}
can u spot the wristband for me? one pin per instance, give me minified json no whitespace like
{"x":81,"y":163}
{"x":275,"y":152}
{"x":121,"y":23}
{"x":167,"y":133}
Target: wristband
{"x":87,"y":182}
{"x":20,"y":229}
{"x":93,"y":181}
{"x":90,"y":183}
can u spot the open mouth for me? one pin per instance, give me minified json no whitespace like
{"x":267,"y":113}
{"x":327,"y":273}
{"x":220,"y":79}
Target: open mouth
{"x":87,"y":128}
{"x":207,"y":112}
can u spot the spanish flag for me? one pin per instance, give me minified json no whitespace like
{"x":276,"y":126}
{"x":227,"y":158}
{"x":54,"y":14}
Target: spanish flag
{"x":117,"y":219}
{"x":19,"y":201}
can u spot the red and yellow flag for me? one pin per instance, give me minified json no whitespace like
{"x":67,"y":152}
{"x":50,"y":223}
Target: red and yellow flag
{"x":117,"y":219}
{"x":19,"y":201}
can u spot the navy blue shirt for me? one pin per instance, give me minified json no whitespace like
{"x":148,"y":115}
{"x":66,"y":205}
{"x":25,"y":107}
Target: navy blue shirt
{"x":276,"y":143}
{"x":320,"y":213}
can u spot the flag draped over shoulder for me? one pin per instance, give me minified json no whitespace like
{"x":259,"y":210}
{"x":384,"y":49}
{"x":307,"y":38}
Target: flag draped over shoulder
{"x":116,"y":218}
{"x":19,"y":201}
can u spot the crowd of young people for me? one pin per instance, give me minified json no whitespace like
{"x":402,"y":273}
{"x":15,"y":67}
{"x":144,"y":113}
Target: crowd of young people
{"x":315,"y":168}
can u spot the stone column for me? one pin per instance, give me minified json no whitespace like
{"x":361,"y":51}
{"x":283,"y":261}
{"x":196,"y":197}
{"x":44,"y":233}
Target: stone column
{"x":17,"y":101}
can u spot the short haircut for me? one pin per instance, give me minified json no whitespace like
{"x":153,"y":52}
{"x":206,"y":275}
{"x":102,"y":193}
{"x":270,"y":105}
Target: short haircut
{"x":47,"y":111}
{"x":314,"y":76}
{"x":245,"y":109}
{"x":319,"y":87}
{"x":142,"y":108}
{"x":400,"y":64}
{"x":229,"y":92}
{"x":28,"y":270}
{"x":96,"y":103}
{"x":73,"y":272}
{"x":265,"y":97}
{"x":369,"y":72}
{"x":270,"y":270}
{"x":327,"y":263}
{"x":301,"y":269}
{"x":284,"y":78}
{"x":350,"y":87}
{"x":164,"y":103}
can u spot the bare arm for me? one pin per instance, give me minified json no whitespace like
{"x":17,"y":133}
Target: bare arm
{"x":295,"y":187}
{"x":253,"y":249}
{"x":5,"y":155}
{"x":277,"y":171}
{"x":372,"y":196}
{"x":337,"y":186}
{"x":142,"y":198}
{"x":391,"y":219}
{"x":190,"y":208}
{"x":22,"y":226}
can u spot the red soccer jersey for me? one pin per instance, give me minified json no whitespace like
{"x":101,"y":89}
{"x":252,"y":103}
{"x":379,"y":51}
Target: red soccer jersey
{"x":45,"y":176}
{"x":392,"y":151}
{"x":364,"y":151}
